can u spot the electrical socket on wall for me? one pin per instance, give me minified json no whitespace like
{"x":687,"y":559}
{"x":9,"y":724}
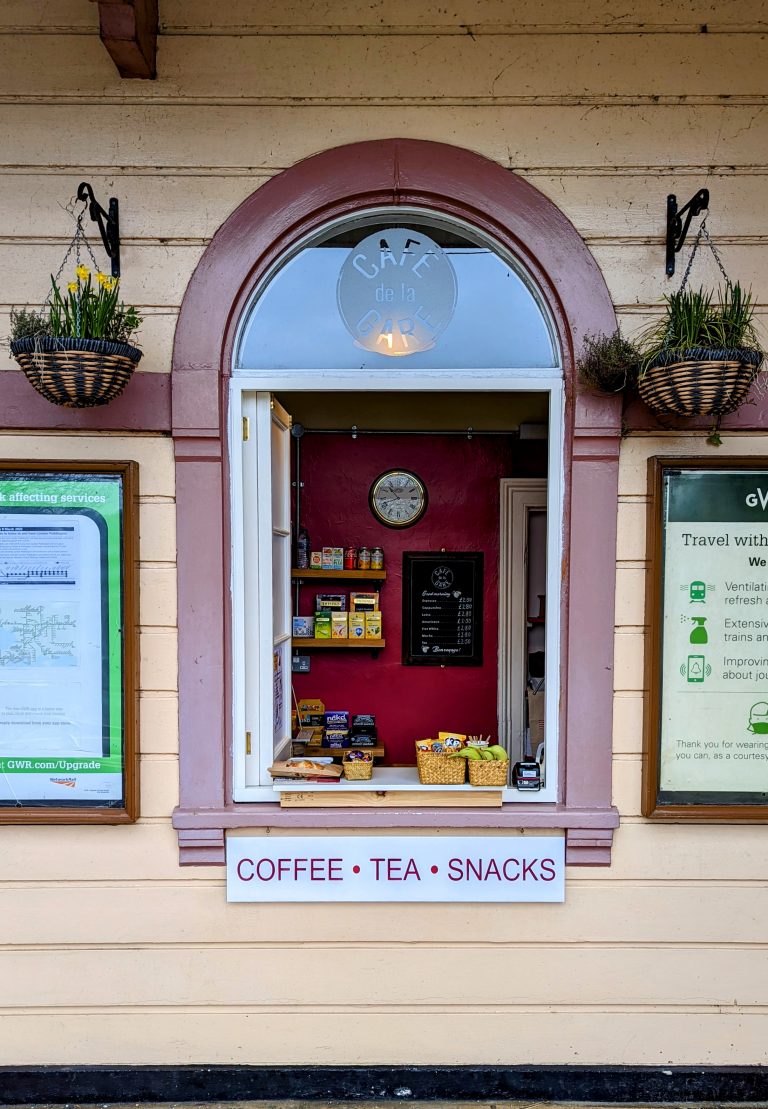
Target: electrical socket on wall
{"x":300,"y":664}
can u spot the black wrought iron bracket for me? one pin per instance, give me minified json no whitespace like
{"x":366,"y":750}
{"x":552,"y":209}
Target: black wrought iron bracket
{"x":677,"y":229}
{"x":109,"y":223}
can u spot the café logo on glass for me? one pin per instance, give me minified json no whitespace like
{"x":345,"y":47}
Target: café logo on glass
{"x":396,"y":292}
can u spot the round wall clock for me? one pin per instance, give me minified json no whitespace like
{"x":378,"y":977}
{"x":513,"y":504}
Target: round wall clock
{"x":398,"y":498}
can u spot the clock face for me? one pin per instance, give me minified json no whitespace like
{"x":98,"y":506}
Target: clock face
{"x":398,"y":498}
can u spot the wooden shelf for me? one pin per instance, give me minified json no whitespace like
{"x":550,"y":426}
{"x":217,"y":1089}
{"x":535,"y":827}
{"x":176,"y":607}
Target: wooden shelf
{"x":339,"y":575}
{"x":322,"y":644}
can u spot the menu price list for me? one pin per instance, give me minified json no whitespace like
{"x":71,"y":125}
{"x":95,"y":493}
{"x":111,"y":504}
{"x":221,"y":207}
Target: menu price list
{"x":442,"y":608}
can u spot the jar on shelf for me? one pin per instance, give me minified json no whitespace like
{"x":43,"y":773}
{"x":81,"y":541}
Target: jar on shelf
{"x":377,"y":559}
{"x":363,"y":559}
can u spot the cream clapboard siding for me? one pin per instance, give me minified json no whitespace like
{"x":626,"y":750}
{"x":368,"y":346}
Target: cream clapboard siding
{"x":109,"y":953}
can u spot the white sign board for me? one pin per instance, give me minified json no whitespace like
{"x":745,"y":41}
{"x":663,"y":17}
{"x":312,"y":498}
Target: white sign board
{"x":714,"y":711}
{"x":400,"y":868}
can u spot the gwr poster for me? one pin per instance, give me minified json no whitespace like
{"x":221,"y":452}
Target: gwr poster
{"x":714,"y":704}
{"x":61,"y":653}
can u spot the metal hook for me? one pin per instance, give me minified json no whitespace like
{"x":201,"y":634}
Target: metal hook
{"x":108,"y":223}
{"x":676,"y":229}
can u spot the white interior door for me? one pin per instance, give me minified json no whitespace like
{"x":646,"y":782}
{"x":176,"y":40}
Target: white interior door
{"x":519,"y":498}
{"x":266,"y":475}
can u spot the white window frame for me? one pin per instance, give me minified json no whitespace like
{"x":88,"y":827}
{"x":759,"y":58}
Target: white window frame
{"x":245,"y":383}
{"x":518,"y":497}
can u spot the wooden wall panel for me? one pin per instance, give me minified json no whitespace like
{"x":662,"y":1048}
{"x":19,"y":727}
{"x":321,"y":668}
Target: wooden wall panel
{"x":453,"y":68}
{"x":155,"y":1035}
{"x":435,"y":975}
{"x":170,"y":206}
{"x":161,"y":913}
{"x":462,"y":18}
{"x":111,"y":953}
{"x":180,"y":136}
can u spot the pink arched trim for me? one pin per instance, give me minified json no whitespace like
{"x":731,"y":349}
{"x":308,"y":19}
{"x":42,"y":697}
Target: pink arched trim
{"x":335,"y":183}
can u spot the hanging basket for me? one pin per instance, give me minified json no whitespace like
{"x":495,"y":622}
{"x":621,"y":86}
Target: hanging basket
{"x":76,"y":373}
{"x":699,"y":381}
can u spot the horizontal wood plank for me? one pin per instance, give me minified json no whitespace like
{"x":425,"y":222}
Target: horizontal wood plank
{"x":266,"y":67}
{"x":390,"y":799}
{"x":262,"y":138}
{"x":393,"y":975}
{"x":464,"y":17}
{"x":195,"y":912}
{"x":166,"y":206}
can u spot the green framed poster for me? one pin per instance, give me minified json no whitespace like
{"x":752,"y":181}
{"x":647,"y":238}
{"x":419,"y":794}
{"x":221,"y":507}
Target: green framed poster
{"x":707,"y":658}
{"x":68,"y":643}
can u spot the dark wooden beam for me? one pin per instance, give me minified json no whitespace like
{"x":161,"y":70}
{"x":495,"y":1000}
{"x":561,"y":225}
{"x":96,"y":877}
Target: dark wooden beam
{"x":128,"y":29}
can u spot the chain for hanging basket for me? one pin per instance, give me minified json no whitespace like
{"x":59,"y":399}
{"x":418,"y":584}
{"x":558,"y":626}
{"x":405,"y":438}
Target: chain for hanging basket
{"x":699,"y":381}
{"x":73,"y":371}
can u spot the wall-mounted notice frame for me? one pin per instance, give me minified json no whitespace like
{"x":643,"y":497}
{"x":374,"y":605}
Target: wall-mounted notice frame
{"x":68,"y":643}
{"x":443,"y":608}
{"x":706,"y":719}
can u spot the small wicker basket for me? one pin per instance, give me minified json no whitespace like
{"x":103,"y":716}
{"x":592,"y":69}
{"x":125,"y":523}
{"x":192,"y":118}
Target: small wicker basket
{"x":699,"y":381}
{"x":76,"y":373}
{"x":483,"y":772}
{"x":357,"y":770}
{"x":440,"y":770}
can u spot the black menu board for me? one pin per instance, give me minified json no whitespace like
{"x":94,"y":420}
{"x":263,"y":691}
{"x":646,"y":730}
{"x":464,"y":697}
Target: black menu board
{"x":443,"y":608}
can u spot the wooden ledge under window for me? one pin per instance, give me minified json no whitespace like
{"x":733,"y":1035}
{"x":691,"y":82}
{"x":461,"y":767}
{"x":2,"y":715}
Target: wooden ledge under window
{"x":588,"y":831}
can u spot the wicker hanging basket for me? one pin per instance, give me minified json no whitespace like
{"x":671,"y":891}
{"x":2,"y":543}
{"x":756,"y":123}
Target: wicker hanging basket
{"x":699,"y":381}
{"x":76,"y":373}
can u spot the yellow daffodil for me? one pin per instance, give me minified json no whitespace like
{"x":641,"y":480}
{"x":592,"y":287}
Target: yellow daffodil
{"x":110,"y":283}
{"x":82,"y":272}
{"x":102,"y":278}
{"x":72,"y":286}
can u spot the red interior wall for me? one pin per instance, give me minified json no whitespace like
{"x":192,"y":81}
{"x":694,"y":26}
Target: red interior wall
{"x":462,"y":478}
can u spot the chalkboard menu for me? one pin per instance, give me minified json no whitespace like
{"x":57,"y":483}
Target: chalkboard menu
{"x":442,"y":608}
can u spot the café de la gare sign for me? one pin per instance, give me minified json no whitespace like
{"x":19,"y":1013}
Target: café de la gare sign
{"x":708,"y":742}
{"x":397,"y":292}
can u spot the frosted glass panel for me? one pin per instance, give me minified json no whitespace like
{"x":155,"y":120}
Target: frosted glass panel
{"x":296,"y":323}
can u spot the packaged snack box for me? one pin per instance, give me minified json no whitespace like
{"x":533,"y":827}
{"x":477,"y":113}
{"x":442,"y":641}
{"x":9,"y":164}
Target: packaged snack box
{"x":316,"y":560}
{"x":323,"y":625}
{"x":364,"y":602}
{"x":363,"y":720}
{"x":331,"y":601}
{"x":304,"y":627}
{"x":326,"y":558}
{"x":337,"y":719}
{"x":308,"y":706}
{"x":337,"y":558}
{"x":336,"y":737}
{"x":339,"y":627}
{"x":373,"y":625}
{"x":357,"y":625}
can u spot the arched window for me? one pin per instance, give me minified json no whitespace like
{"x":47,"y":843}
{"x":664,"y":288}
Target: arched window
{"x":397,"y":284}
{"x":260,"y":313}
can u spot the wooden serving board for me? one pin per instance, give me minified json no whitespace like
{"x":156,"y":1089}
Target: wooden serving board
{"x":390,"y":799}
{"x":286,"y":770}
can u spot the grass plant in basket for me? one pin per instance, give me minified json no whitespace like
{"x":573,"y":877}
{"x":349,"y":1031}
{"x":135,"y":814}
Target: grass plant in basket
{"x":702,"y":356}
{"x":77,"y":350}
{"x":608,"y":363}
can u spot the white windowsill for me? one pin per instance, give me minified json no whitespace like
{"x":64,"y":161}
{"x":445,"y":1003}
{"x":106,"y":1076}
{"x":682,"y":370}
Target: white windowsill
{"x":384,"y":777}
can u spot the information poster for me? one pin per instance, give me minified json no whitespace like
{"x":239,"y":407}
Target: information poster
{"x":714,"y":660}
{"x":61,"y":650}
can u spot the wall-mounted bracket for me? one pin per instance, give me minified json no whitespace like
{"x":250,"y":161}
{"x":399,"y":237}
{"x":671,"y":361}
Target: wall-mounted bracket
{"x":676,"y":228}
{"x":109,"y":223}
